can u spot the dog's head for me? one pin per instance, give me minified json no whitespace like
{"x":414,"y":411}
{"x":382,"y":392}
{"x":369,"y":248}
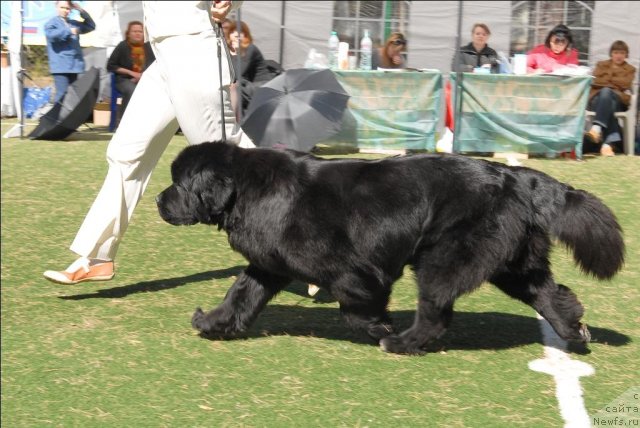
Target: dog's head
{"x":203,"y":186}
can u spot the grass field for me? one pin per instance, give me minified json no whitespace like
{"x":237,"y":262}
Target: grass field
{"x":123,"y":353}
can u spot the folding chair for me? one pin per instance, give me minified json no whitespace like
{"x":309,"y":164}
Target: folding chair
{"x":628,"y":121}
{"x":116,"y":99}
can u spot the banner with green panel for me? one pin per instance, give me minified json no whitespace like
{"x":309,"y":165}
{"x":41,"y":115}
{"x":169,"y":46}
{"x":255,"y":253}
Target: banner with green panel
{"x":391,"y":110}
{"x":525,"y":114}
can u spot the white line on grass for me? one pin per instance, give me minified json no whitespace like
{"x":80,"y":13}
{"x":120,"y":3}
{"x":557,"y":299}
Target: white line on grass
{"x":566,"y":373}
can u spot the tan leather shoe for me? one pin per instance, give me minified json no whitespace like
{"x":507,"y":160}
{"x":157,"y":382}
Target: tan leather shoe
{"x":82,"y":270}
{"x":606,"y":150}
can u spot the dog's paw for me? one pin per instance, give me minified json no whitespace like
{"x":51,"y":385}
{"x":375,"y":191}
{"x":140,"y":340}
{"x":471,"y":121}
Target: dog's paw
{"x":398,"y":345}
{"x":584,"y":334}
{"x":216,"y":324}
{"x":199,"y":320}
{"x":379,"y":330}
{"x":578,"y":334}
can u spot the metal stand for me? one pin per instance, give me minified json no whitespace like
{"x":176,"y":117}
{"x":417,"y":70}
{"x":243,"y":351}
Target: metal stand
{"x":457,"y":109}
{"x":17,"y":130}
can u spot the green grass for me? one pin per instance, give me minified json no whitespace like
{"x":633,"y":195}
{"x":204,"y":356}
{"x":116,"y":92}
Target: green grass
{"x":123,"y":353}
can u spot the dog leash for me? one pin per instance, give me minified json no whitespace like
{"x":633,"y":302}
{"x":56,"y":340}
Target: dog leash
{"x":218,"y":30}
{"x":217,"y":27}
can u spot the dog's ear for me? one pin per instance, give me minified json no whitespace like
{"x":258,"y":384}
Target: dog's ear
{"x":215,"y":193}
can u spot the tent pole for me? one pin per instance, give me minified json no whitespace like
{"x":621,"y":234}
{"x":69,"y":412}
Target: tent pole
{"x":458,"y":98}
{"x":239,"y":65}
{"x":21,"y":75}
{"x":282,"y":16}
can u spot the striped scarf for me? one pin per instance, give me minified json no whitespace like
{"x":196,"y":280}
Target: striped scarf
{"x":137,"y":56}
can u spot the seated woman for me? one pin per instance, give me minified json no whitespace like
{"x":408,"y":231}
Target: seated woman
{"x":390,"y":55}
{"x":556,"y":51}
{"x":610,"y":93}
{"x":128,"y":60}
{"x":477,"y":53}
{"x":253,"y":70}
{"x":252,"y":61}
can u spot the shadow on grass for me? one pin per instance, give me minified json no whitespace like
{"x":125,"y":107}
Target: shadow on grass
{"x":95,"y":133}
{"x":468,"y":330}
{"x":157,"y":284}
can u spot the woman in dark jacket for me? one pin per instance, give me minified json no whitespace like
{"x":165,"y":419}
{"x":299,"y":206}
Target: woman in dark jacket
{"x":477,"y":53}
{"x":253,"y":69}
{"x":252,"y":61}
{"x":128,"y":60}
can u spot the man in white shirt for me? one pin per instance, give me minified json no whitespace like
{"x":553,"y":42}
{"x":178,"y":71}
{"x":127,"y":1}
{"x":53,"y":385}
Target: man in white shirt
{"x":181,"y":89}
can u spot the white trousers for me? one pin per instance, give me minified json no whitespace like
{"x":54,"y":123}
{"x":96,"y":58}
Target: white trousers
{"x":180,"y":89}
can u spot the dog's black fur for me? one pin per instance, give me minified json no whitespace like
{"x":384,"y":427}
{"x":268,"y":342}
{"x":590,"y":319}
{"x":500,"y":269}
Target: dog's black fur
{"x":350,"y":226}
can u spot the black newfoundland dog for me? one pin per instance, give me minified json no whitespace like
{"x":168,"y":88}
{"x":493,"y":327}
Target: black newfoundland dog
{"x":350,"y":226}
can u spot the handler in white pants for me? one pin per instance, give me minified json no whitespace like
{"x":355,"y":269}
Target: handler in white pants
{"x":180,"y":89}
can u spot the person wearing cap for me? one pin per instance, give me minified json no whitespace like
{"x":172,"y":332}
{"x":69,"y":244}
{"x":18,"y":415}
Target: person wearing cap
{"x":610,"y":93}
{"x":557,"y":51}
{"x":66,"y":60}
{"x":390,"y":55}
{"x":477,"y":53}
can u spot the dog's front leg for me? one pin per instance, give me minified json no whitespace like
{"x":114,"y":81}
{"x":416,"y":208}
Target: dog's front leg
{"x":242,"y":304}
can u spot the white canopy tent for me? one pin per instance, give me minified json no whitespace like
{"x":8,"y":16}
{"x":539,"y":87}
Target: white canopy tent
{"x":285,"y":31}
{"x":432,"y":29}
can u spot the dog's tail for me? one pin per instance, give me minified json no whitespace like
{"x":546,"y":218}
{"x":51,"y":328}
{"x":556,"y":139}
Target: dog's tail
{"x":587,"y":226}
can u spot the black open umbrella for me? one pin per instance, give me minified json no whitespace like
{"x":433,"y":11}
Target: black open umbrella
{"x":296,"y":109}
{"x":72,"y":110}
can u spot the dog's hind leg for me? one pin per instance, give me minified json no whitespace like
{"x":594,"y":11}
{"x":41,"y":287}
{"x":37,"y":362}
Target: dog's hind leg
{"x":555,"y":302}
{"x":439,"y":285}
{"x":245,"y":299}
{"x":363,"y":304}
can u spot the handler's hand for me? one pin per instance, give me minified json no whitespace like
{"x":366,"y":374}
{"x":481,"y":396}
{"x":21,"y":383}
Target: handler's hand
{"x":219,"y":10}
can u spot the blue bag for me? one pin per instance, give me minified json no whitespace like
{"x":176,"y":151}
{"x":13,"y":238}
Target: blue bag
{"x":35,"y":98}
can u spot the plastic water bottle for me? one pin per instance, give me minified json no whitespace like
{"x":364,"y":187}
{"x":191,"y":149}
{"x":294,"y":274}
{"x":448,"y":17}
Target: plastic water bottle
{"x":505,"y":66}
{"x":365,"y":51}
{"x":333,"y":50}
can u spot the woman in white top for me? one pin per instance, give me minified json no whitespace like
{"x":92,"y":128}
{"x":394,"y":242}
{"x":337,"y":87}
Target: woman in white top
{"x":180,"y":89}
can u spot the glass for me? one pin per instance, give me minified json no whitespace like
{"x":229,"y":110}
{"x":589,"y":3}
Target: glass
{"x":345,"y":9}
{"x":581,"y":43}
{"x":580,"y":14}
{"x":520,"y":13}
{"x":531,"y":22}
{"x":375,"y":32}
{"x":351,"y":18}
{"x":370,"y":9}
{"x":398,"y":9}
{"x":346,"y":32}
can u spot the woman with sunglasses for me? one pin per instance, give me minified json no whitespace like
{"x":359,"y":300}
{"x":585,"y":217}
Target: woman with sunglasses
{"x":557,"y":51}
{"x":390,"y":55}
